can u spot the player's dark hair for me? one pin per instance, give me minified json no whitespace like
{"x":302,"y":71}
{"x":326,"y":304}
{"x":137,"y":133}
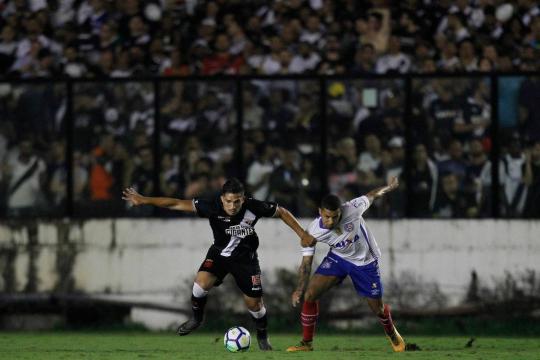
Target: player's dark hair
{"x":330,"y":202}
{"x":233,"y":186}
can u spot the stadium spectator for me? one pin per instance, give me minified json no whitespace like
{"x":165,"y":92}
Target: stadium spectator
{"x":467,"y":56}
{"x":271,"y":36}
{"x":424,"y":183}
{"x":57,"y":177}
{"x":475,"y":115}
{"x":285,"y":180}
{"x":142,"y":178}
{"x":529,"y":115}
{"x":364,"y":60}
{"x":456,"y":162}
{"x":25,"y":177}
{"x":101,"y":172}
{"x":370,"y":159}
{"x":253,"y":113}
{"x":478,"y":176}
{"x":531,"y":178}
{"x":511,"y":178}
{"x":259,"y":172}
{"x":395,"y":60}
{"x":451,"y":202}
{"x":395,"y":206}
{"x":306,"y":61}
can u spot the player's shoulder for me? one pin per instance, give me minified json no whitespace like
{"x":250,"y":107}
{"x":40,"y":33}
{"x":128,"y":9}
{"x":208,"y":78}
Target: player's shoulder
{"x":260,"y":206}
{"x":316,"y":227}
{"x":251,"y":202}
{"x":359,"y":202}
{"x":210,"y":203}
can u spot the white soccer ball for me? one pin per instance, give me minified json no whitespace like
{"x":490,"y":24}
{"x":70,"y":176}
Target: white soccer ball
{"x":237,"y":339}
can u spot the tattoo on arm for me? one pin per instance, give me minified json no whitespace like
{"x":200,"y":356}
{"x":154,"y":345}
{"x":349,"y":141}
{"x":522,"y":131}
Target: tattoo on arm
{"x":303,"y":274}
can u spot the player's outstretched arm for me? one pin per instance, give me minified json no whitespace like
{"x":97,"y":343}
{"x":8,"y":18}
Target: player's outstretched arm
{"x":134,"y":198}
{"x":304,"y":271}
{"x":289,"y":219}
{"x":375,"y":193}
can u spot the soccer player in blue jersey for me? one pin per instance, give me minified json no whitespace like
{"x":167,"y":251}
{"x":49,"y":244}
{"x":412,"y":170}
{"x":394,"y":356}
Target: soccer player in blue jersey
{"x":232,"y":217}
{"x":354,"y":253}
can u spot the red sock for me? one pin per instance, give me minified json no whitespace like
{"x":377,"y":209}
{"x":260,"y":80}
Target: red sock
{"x":308,"y":318}
{"x":386,"y":320}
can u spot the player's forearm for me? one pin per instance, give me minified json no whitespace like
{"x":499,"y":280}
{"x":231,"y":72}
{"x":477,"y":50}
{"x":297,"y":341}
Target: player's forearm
{"x":304,"y":271}
{"x":380,"y":191}
{"x":289,"y":219}
{"x":164,"y":202}
{"x":375,"y":193}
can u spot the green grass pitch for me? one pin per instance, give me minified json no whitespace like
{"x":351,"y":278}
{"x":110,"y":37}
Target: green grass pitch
{"x":103,"y":346}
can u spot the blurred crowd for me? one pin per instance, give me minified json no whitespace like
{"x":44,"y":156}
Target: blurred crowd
{"x":122,"y":38}
{"x":447,"y":175}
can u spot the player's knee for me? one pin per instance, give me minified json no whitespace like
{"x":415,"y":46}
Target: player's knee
{"x":205,"y":285}
{"x":254,"y":305}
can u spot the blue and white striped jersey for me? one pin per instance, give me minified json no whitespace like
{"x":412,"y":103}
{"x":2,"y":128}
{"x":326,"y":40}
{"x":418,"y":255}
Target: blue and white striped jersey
{"x":350,"y":239}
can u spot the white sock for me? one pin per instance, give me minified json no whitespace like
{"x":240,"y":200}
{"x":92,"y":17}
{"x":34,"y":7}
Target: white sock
{"x":258,"y":314}
{"x":198,"y":291}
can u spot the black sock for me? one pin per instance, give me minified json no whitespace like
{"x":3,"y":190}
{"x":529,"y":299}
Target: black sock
{"x":260,"y":325}
{"x":197,"y":305}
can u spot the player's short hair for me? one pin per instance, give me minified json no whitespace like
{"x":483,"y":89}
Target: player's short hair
{"x":330,"y":202}
{"x":233,"y":186}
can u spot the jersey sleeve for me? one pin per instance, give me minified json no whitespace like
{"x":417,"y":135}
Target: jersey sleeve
{"x":360,"y":203}
{"x":202,"y":207}
{"x":263,"y":208}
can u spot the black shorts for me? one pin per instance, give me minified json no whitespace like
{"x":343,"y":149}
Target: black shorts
{"x":245,"y":269}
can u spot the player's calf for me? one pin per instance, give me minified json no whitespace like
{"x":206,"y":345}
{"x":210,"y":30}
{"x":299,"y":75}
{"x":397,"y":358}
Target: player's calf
{"x":260,"y":319}
{"x":397,"y":342}
{"x":198,"y":302}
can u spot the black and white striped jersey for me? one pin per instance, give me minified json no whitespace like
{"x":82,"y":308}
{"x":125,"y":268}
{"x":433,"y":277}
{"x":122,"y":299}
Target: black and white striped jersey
{"x":234,"y":235}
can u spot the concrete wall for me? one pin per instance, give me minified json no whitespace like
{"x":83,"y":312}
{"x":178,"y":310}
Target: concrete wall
{"x":151,"y":259}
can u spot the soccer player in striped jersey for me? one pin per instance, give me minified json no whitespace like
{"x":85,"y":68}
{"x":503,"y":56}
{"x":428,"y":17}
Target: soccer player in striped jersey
{"x":353,"y":252}
{"x":232,"y":217}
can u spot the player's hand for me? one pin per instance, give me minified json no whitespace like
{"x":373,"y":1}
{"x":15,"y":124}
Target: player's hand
{"x":393,"y":183}
{"x":131,"y":195}
{"x":296,"y":297}
{"x":307,"y":240}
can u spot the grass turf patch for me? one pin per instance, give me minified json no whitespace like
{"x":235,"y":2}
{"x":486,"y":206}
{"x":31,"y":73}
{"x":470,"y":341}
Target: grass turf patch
{"x":79,"y":345}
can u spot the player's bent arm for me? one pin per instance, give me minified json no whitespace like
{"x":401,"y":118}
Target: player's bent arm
{"x":289,"y":219}
{"x":136,"y":199}
{"x":375,"y":193}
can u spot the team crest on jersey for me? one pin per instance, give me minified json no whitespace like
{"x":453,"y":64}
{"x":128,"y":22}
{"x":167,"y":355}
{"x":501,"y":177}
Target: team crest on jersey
{"x":348,"y":227}
{"x":208,"y":263}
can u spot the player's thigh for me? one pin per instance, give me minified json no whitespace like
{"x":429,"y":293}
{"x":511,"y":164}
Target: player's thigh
{"x":212,"y":270}
{"x":366,"y":280}
{"x":247,"y":275}
{"x":318,"y":285}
